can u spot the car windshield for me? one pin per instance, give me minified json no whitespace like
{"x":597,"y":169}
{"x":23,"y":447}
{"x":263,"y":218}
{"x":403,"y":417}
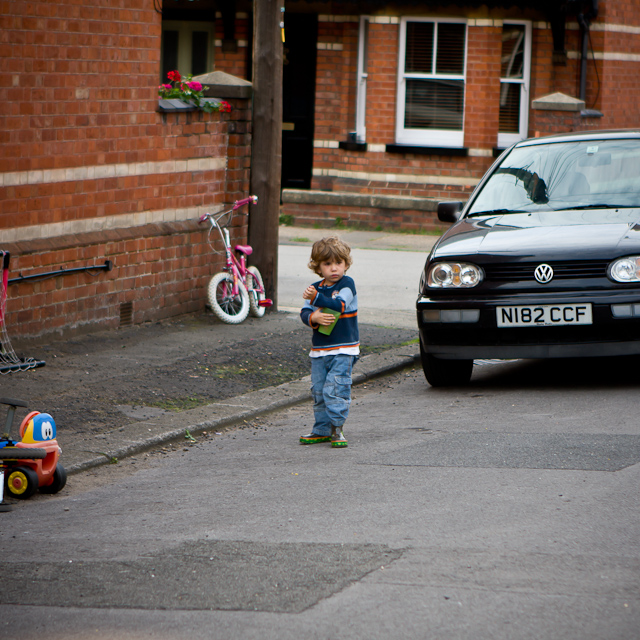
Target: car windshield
{"x":563,"y":175}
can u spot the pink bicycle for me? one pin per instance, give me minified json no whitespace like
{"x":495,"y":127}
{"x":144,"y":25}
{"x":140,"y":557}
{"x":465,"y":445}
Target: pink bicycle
{"x":238,"y":290}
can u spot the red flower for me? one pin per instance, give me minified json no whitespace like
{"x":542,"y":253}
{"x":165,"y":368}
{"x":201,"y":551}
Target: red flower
{"x":194,"y":86}
{"x":174,"y":75}
{"x":225,"y":107}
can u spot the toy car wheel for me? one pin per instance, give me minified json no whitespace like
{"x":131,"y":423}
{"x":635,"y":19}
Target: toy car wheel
{"x":21,"y":482}
{"x":21,"y":453}
{"x":59,"y":480}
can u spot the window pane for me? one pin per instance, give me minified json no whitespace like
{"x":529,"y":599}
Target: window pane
{"x":509,"y":107}
{"x":450,"y":56}
{"x":169,"y":53}
{"x":512,"y":51}
{"x":199,"y":50}
{"x":434,"y":104}
{"x":419,"y":56}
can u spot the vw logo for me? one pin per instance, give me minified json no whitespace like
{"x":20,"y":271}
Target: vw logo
{"x":543,"y":273}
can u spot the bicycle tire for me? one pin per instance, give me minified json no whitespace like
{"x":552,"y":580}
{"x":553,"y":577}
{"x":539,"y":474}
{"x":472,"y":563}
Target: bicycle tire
{"x":228,"y":308}
{"x":21,"y":453}
{"x":254,"y":276}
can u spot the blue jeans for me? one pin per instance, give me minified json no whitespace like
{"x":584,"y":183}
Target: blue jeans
{"x":331,"y":390}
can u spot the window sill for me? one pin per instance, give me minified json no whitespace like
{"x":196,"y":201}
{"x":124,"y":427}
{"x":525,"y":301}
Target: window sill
{"x":427,"y":151}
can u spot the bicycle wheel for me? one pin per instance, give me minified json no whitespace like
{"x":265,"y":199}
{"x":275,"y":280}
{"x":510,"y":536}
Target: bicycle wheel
{"x":256,"y":292}
{"x":227,"y":307}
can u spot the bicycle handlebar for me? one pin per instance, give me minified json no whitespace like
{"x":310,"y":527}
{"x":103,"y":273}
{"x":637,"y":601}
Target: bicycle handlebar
{"x":241,"y":203}
{"x":236,"y":205}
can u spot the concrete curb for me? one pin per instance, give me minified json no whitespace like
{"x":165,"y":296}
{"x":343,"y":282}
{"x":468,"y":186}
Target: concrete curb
{"x":141,"y":436}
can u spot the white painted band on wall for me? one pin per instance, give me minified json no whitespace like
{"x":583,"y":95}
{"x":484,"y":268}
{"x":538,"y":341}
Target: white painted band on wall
{"x":325,"y":18}
{"x":330,"y":46}
{"x":397,"y":177}
{"x":384,"y":20}
{"x":240,"y":43}
{"x":481,"y":153}
{"x":326,"y":144}
{"x":98,"y":172}
{"x":610,"y":56}
{"x":475,"y":22}
{"x":599,"y":26}
{"x":122,"y":221}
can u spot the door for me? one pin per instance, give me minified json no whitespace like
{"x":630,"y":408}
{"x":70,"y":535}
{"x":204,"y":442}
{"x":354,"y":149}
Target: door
{"x":298,"y":99}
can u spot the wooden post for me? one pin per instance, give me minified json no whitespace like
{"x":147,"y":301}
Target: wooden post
{"x":266,"y":155}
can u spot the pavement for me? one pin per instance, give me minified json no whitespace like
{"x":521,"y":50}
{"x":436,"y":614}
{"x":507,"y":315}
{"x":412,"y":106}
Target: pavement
{"x":152,"y":429}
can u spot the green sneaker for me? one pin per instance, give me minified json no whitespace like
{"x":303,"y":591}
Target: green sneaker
{"x":314,"y":438}
{"x":337,"y":438}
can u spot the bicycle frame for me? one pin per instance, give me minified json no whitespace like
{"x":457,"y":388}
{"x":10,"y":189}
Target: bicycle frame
{"x":236,"y":266}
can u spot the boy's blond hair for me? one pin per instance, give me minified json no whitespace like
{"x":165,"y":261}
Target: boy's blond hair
{"x":329,"y":249}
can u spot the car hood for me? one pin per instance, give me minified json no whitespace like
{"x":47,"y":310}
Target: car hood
{"x":599,"y":233}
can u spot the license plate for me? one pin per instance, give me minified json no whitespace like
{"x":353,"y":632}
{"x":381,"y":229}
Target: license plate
{"x":544,"y":315}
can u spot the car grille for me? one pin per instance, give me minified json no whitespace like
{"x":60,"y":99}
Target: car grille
{"x":515,"y":272}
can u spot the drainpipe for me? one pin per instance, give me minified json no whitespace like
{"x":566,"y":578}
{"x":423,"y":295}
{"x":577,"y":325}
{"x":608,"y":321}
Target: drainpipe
{"x":584,"y":20}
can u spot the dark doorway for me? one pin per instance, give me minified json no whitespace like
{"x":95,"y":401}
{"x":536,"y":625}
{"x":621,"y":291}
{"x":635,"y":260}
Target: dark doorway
{"x":298,"y":93}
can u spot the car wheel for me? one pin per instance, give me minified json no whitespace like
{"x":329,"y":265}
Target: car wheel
{"x":445,"y":373}
{"x":21,"y":482}
{"x":59,"y":480}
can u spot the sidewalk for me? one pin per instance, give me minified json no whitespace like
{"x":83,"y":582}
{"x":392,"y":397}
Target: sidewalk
{"x":140,"y":436}
{"x":117,"y":393}
{"x":360,"y":239}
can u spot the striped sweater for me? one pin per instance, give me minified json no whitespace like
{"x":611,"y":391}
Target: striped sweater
{"x":342,"y":297}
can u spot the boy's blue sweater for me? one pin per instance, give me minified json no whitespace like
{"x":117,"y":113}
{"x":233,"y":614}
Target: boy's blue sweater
{"x":342,"y":297}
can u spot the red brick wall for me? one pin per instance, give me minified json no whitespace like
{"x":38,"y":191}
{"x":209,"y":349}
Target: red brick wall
{"x":484,"y":47}
{"x":327,"y":216}
{"x":87,"y":160}
{"x":620,"y":89}
{"x":333,"y":124}
{"x":230,"y":61}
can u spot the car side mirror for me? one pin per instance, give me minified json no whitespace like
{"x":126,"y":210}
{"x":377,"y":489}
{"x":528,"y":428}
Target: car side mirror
{"x":449,"y":211}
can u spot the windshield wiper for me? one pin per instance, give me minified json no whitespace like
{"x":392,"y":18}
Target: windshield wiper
{"x":581,"y":207}
{"x":495,"y":212}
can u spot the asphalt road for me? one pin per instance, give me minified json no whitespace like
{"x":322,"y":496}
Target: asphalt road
{"x":507,"y":509}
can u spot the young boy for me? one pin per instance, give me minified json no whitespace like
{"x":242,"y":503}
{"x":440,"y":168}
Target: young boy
{"x":334,"y":350}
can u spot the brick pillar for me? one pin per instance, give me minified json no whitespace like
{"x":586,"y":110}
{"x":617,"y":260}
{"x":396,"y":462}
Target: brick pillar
{"x":482,"y":100}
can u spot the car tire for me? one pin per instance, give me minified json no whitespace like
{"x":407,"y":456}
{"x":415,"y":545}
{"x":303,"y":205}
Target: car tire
{"x":445,"y":373}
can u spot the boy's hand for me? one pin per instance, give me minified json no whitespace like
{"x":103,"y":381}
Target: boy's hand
{"x":324,"y":319}
{"x":309,"y":293}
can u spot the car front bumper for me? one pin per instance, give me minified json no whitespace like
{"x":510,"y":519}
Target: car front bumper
{"x":606,"y":336}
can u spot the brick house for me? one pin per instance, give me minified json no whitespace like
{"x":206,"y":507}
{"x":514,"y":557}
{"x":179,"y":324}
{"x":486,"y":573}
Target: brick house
{"x":94,"y":173}
{"x":389,"y":107}
{"x":392,"y":106}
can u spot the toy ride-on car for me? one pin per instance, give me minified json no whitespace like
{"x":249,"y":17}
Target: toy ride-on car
{"x":33,"y":462}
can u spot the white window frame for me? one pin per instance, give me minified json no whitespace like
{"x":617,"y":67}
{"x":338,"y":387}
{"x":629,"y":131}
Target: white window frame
{"x":185,"y":29}
{"x":507,"y":139}
{"x":427,"y":137}
{"x":361,"y":89}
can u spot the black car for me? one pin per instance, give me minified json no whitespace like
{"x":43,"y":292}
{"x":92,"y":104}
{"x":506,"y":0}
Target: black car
{"x":543,"y":261}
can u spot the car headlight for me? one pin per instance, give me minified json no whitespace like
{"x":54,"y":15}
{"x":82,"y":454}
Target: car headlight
{"x":625,"y":269}
{"x":453,"y":275}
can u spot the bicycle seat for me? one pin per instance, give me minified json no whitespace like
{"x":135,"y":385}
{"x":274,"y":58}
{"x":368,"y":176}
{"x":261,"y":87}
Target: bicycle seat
{"x":246,"y":249}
